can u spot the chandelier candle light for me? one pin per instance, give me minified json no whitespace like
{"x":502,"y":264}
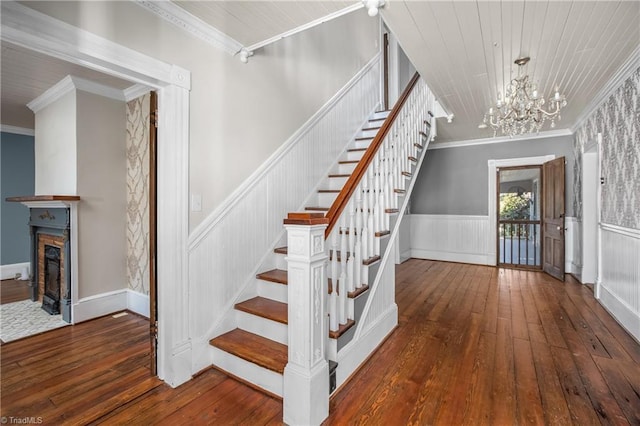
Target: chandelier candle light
{"x":521,"y":111}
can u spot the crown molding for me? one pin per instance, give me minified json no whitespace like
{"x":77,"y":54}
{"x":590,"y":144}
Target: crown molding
{"x":501,"y":139}
{"x":70,"y":83}
{"x":179,"y":17}
{"x":135,"y":91}
{"x":624,"y":72}
{"x":5,"y":128}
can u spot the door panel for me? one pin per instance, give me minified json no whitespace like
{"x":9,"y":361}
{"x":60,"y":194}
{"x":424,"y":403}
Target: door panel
{"x":153,"y":285}
{"x":553,"y":218}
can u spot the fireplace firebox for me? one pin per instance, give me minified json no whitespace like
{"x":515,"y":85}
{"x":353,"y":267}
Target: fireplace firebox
{"x":51,"y":296}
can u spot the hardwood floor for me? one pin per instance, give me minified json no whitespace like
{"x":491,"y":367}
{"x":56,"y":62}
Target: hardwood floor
{"x":13,"y":291}
{"x":474,"y":345}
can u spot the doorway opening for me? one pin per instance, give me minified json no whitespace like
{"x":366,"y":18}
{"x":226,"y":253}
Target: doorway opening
{"x":519,"y":223}
{"x":590,"y":211}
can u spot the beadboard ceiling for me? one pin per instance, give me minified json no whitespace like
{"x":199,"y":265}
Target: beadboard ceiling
{"x":463,"y":49}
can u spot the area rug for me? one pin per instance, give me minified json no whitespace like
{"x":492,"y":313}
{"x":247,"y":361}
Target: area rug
{"x":26,"y":318}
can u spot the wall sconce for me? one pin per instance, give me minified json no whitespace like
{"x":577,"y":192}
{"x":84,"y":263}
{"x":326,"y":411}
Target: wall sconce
{"x":373,"y":6}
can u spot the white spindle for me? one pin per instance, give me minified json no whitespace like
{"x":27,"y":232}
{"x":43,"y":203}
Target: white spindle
{"x":342,"y":299}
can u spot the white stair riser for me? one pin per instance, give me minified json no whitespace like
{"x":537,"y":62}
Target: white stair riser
{"x":368,"y":133}
{"x":381,"y":114}
{"x":273,"y":291}
{"x":337,"y":182}
{"x":326,"y":199}
{"x":363,"y":143}
{"x":354,"y":155}
{"x":262,"y":327}
{"x":281,"y":262}
{"x":252,"y":373}
{"x":346,"y":168}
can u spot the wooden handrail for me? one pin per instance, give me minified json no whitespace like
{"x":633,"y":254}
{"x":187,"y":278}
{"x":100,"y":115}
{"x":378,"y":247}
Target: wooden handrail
{"x":350,"y":186}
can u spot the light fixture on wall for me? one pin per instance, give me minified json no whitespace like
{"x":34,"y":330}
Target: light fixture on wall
{"x":521,"y":110}
{"x":373,"y":6}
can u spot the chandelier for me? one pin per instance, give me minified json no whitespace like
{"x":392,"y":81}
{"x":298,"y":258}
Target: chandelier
{"x":522,"y":109}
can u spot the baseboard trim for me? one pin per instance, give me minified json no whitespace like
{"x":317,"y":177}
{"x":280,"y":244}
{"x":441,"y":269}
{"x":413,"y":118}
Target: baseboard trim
{"x":477,"y":259}
{"x":138,"y":303}
{"x":10,"y":272}
{"x":99,"y":305}
{"x":624,"y":315}
{"x":405,"y":255}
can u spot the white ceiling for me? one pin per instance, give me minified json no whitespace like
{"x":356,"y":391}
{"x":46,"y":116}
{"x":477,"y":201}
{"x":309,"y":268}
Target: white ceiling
{"x":27,"y":74}
{"x":463,"y":49}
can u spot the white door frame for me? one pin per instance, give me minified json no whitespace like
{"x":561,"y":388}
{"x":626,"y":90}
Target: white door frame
{"x":33,"y":30}
{"x":591,"y":210}
{"x":494,"y":165}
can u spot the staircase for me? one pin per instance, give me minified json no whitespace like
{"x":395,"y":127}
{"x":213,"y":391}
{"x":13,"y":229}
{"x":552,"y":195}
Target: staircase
{"x":350,"y":220}
{"x":256,"y":351}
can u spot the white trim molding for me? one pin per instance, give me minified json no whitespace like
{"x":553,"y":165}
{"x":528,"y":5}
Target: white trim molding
{"x":99,"y":305}
{"x":138,"y":303}
{"x":15,"y":271}
{"x":619,"y":278}
{"x":502,"y":139}
{"x":190,"y":23}
{"x":573,"y":247}
{"x":451,"y":238}
{"x":33,"y":30}
{"x":69,"y":84}
{"x":135,"y":91}
{"x":5,"y":128}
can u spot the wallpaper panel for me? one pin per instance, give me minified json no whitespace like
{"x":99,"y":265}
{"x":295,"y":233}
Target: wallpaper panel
{"x":138,"y":194}
{"x":618,"y":119}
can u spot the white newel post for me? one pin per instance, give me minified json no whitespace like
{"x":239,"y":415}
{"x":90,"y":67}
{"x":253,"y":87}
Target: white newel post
{"x":306,"y":376}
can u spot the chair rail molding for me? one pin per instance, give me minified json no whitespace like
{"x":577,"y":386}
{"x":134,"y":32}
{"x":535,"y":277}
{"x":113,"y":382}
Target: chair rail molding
{"x":33,"y":30}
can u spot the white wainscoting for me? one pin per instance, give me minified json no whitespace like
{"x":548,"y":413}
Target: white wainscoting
{"x":226,"y":250}
{"x":573,"y":246}
{"x":10,"y":272}
{"x":619,"y":278}
{"x":452,"y":238}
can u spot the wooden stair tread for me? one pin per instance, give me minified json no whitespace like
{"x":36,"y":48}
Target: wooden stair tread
{"x":351,"y":294}
{"x":364,"y":129}
{"x":356,"y":149}
{"x":349,"y":162}
{"x":320,"y":209}
{"x":253,"y":348}
{"x":329,"y":191}
{"x":275,"y":276}
{"x":407,"y":174}
{"x":338,"y":175}
{"x":281,"y":250}
{"x":378,"y":119}
{"x":364,"y":138}
{"x":341,"y":329}
{"x":265,"y":308}
{"x":392,"y":211}
{"x":368,"y":261}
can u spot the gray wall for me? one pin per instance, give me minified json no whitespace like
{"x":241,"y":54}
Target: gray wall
{"x":454,"y":181}
{"x":17,"y":178}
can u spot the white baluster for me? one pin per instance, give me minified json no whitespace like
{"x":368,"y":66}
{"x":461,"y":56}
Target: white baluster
{"x":370,"y":237}
{"x":333,"y":296}
{"x":357,"y":265}
{"x":342,"y":298}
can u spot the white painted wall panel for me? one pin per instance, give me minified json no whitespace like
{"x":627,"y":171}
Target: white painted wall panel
{"x":620,"y":276}
{"x":454,"y":238}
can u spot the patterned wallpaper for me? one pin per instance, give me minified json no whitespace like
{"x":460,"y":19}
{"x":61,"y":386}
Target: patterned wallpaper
{"x":138,"y":194}
{"x":618,"y":119}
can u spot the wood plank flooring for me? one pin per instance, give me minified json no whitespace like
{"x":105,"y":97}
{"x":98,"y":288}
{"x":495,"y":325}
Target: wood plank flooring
{"x":13,"y":291}
{"x":475,"y":345}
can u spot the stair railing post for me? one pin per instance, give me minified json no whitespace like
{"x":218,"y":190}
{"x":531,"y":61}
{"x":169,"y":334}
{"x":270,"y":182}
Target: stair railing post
{"x":306,"y":376}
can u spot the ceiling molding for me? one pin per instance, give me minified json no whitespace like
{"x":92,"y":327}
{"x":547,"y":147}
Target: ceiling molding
{"x":5,"y":128}
{"x":69,"y":84}
{"x":501,"y":139}
{"x":29,"y":28}
{"x":179,"y":17}
{"x":306,"y":26}
{"x":135,"y":91}
{"x":624,"y":72}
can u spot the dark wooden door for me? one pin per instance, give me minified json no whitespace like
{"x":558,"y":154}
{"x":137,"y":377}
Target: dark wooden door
{"x":553,"y":218}
{"x":153,"y":284}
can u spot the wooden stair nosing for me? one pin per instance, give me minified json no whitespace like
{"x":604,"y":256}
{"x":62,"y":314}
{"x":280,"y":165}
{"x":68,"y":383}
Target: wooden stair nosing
{"x":340,"y":175}
{"x":356,"y":149}
{"x":363,"y":138}
{"x":265,"y":308}
{"x":350,"y":294}
{"x":281,"y":250}
{"x":342,"y":328}
{"x":319,"y":209}
{"x":275,"y":275}
{"x":349,"y":162}
{"x":253,"y":348}
{"x":328,"y":191}
{"x":364,"y":129}
{"x":365,"y":262}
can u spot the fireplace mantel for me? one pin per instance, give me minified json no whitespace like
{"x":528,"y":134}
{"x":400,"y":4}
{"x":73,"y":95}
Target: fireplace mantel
{"x":44,"y":201}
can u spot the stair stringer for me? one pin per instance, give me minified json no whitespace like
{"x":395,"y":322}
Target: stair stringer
{"x":228,"y":320}
{"x":371,"y":332}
